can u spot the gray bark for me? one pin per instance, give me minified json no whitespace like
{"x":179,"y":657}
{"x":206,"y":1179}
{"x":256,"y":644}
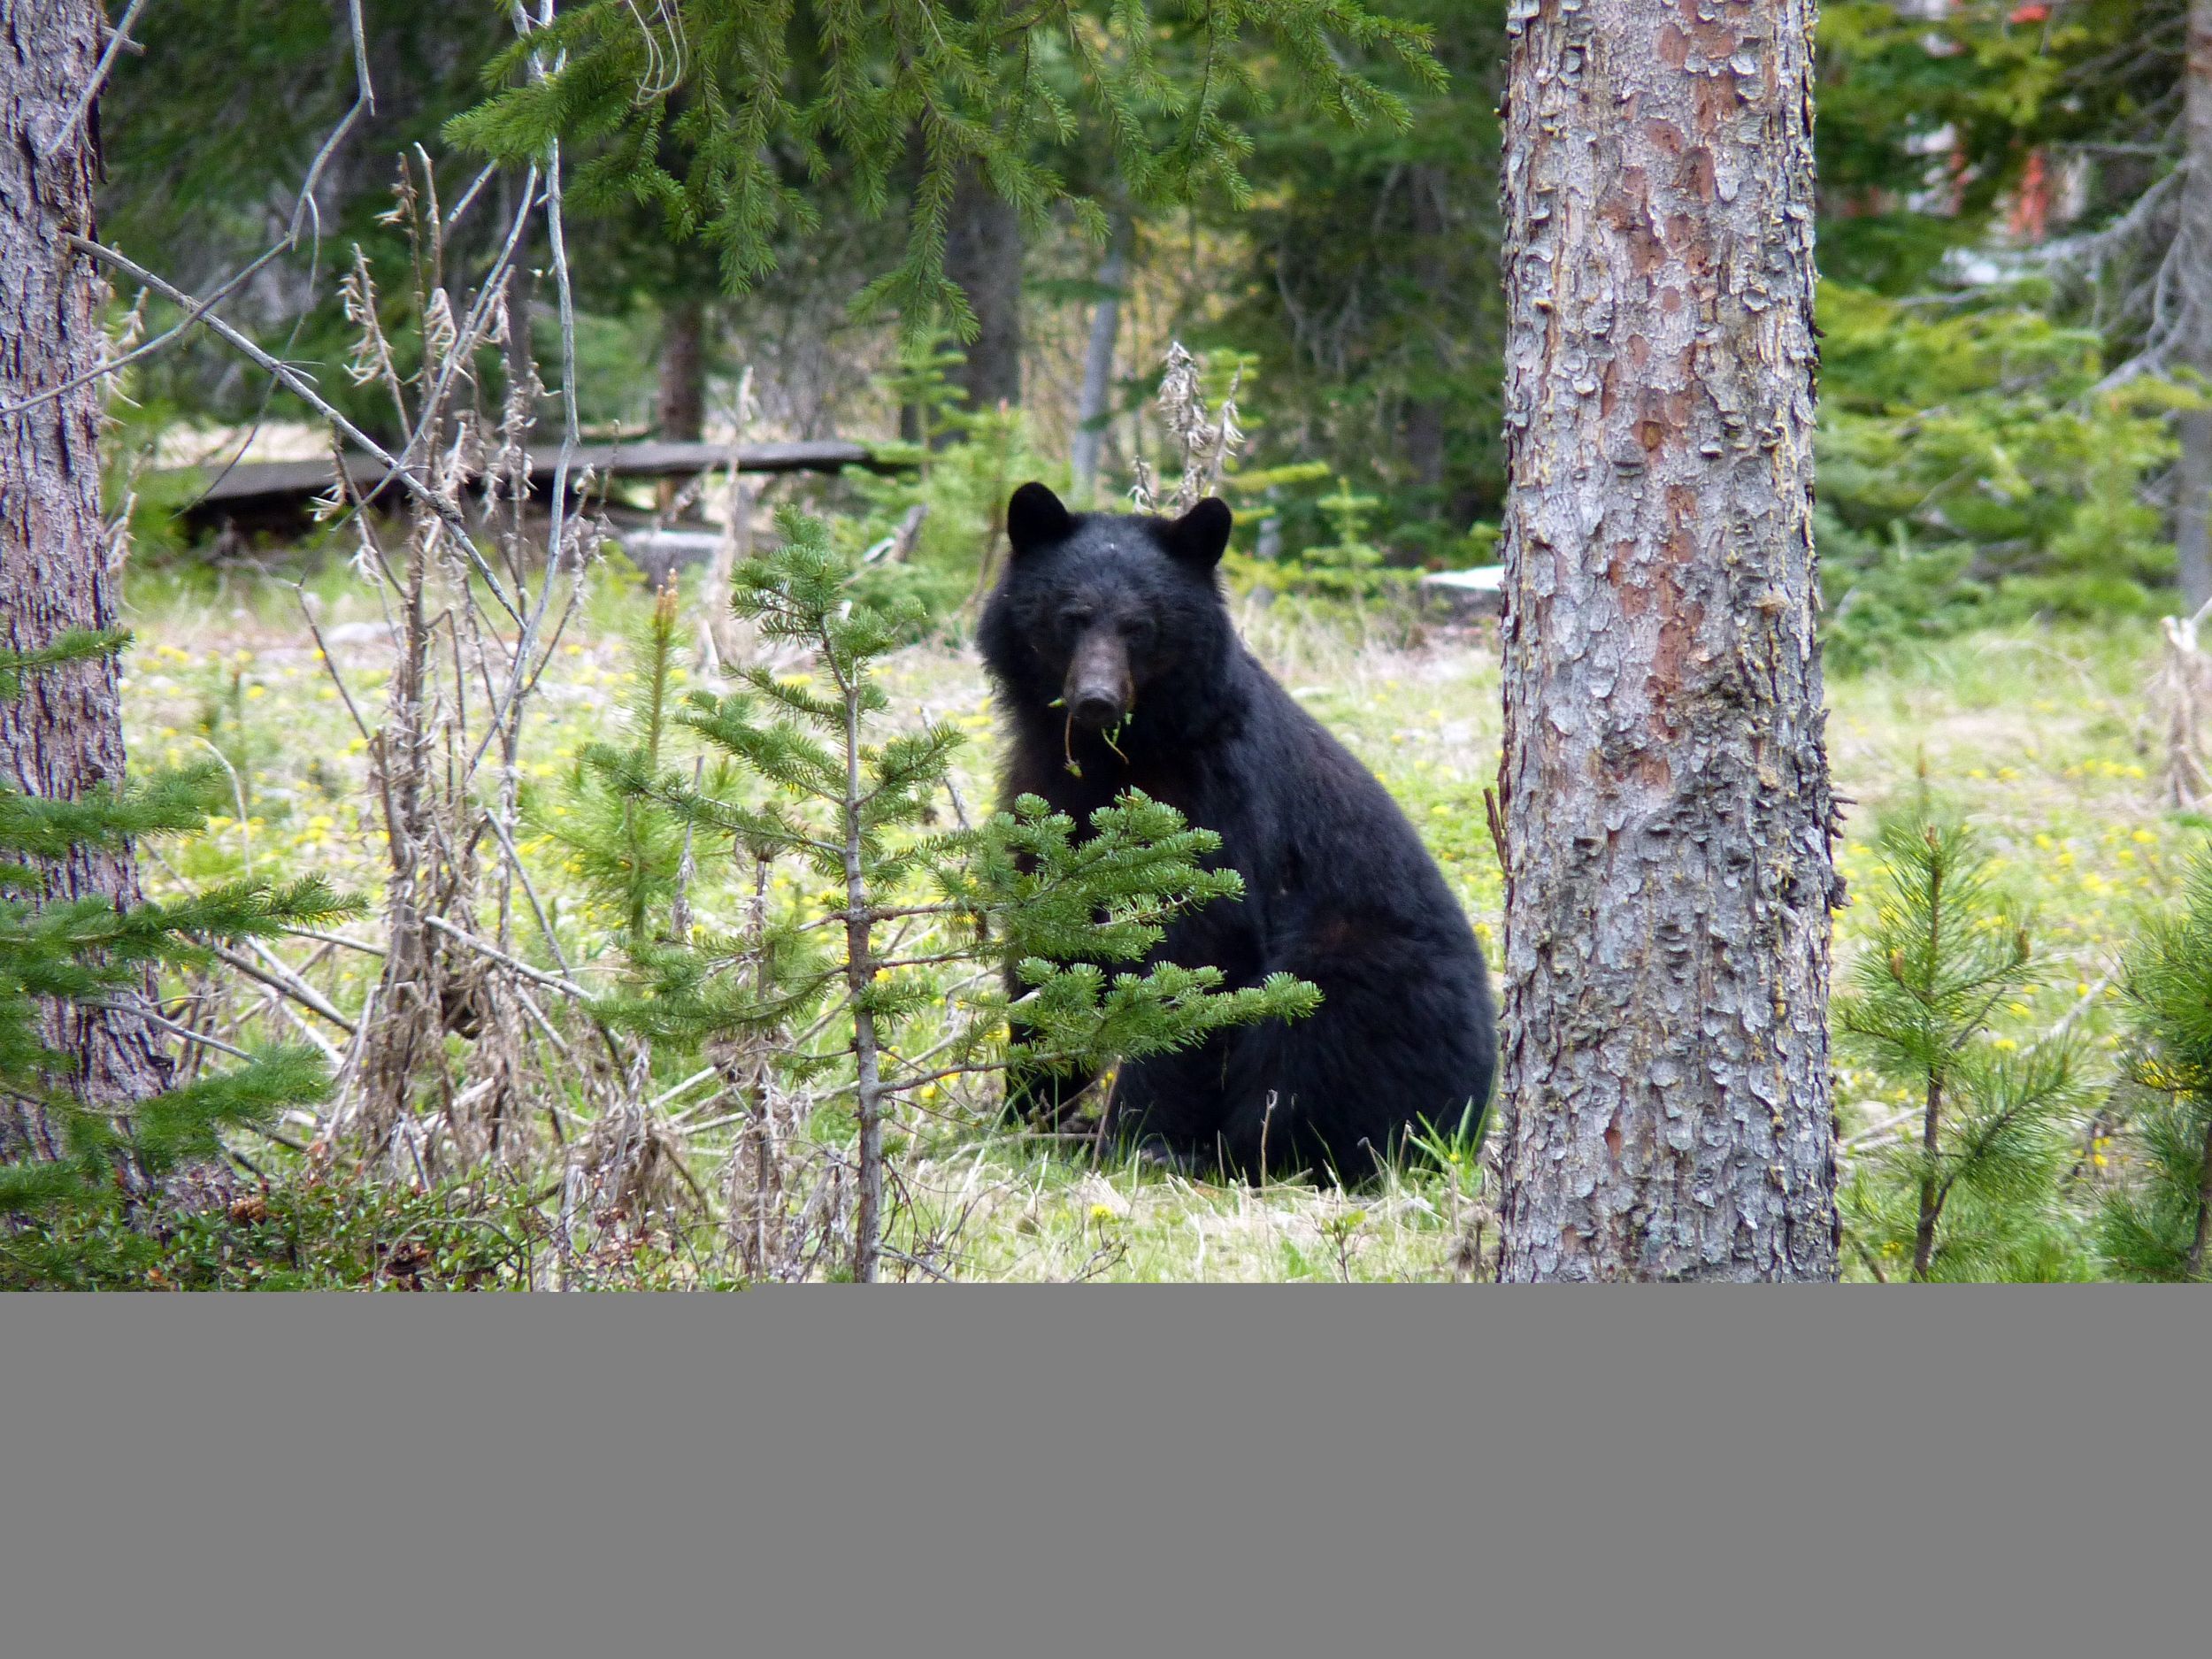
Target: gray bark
{"x":1665,"y":1089}
{"x":2193,"y":254}
{"x":1098,"y":367}
{"x":62,"y":738}
{"x":983,"y":254}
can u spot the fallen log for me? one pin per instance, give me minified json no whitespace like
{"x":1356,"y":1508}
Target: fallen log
{"x":265,"y":492}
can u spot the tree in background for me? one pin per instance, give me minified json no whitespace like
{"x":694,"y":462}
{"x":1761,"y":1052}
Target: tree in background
{"x":1664,"y":1091}
{"x":984,"y":249}
{"x":209,"y":133}
{"x":926,"y":95}
{"x":1370,"y":299}
{"x":2191,"y":263}
{"x":1131,"y":114}
{"x":2057,"y":156}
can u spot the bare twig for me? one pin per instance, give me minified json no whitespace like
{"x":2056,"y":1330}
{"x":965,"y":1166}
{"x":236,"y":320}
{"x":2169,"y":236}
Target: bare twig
{"x":278,"y":978}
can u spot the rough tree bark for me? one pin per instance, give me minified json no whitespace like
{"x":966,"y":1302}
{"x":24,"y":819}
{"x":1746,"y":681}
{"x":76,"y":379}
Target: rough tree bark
{"x":1665,"y":1090}
{"x":62,"y":738}
{"x":2192,"y":260}
{"x":983,"y":254}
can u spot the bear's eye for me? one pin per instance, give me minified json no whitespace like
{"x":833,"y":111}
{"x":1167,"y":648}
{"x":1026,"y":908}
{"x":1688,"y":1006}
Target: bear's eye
{"x":1138,"y":629}
{"x":1075,"y":619}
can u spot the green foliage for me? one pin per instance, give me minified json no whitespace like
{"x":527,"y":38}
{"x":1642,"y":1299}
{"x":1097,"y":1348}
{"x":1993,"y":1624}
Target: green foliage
{"x":2156,"y":1223}
{"x":1924,"y":122}
{"x":63,"y":1150}
{"x":73,"y":646}
{"x":1972,"y":1194}
{"x":299,"y":1231}
{"x":1348,"y":567}
{"x":1990,"y":123}
{"x":921,"y":383}
{"x":1973,"y":470}
{"x":882,"y":85}
{"x":1063,"y":905}
{"x":928,"y":573}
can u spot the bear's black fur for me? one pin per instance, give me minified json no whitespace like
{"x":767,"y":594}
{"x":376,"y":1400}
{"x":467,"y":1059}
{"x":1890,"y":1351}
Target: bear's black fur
{"x":1103,"y":621}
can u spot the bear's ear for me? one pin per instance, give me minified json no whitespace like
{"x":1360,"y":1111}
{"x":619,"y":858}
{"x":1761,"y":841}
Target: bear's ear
{"x":1035,"y":519}
{"x":1201,"y":536}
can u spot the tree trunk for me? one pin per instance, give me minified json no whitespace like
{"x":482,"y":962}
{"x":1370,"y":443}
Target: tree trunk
{"x":680,"y":411}
{"x":1664,"y":1093}
{"x":983,"y":254}
{"x":1098,"y":367}
{"x":1931,"y":1189}
{"x":62,"y":738}
{"x":2193,"y":508}
{"x":2193,"y":258}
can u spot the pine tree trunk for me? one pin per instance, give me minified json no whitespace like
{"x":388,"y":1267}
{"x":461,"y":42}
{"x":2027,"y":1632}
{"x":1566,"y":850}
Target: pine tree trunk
{"x":63,"y":737}
{"x":1098,"y":368}
{"x":1664,"y":1092}
{"x":983,"y":254}
{"x":680,"y":411}
{"x":2193,"y":258}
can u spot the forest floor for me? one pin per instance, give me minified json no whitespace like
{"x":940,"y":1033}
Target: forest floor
{"x":2045,"y":740}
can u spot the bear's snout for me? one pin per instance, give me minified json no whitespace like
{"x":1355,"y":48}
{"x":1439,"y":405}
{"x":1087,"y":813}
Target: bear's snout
{"x":1098,"y":692}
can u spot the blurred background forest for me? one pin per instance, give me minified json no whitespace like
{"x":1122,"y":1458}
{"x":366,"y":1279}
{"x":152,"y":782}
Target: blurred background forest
{"x":2007,"y":371}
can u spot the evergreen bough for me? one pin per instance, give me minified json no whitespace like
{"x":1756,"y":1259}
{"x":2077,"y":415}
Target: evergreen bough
{"x":2158,"y":1225}
{"x":63,"y":1151}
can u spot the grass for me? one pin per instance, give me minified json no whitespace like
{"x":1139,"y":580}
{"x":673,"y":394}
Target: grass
{"x":2045,"y":739}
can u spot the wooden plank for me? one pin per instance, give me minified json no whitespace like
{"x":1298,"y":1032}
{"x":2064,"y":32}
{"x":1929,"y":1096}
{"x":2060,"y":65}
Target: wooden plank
{"x":256,"y":487}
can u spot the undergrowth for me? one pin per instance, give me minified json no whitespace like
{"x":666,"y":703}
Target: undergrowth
{"x":2037,"y":737}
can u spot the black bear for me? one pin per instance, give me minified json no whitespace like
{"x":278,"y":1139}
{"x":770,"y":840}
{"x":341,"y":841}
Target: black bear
{"x":1110,"y":640}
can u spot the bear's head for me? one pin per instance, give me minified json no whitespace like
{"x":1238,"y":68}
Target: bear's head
{"x":1107,"y":613}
